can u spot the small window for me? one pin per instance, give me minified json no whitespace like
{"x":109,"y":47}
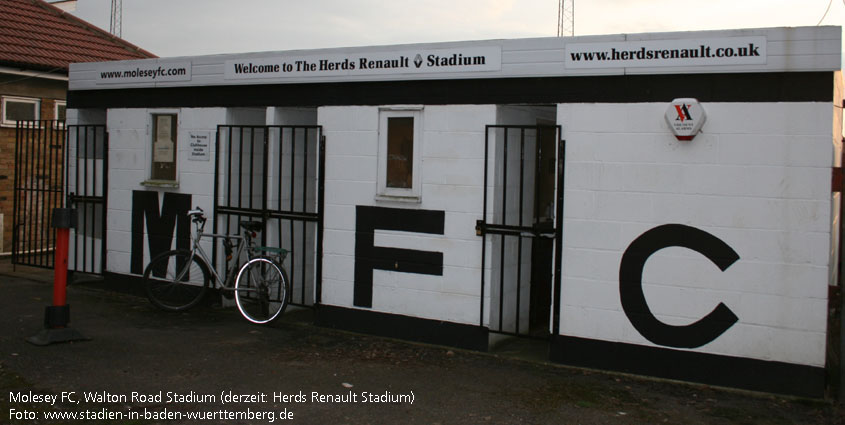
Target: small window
{"x":60,"y":111}
{"x":399,"y":154}
{"x":20,"y":109}
{"x":164,"y":147}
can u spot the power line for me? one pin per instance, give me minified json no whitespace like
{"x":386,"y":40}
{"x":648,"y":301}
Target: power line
{"x":825,"y":11}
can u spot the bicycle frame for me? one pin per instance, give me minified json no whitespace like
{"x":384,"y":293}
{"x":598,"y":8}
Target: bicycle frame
{"x":197,"y":249}
{"x":259,"y":285}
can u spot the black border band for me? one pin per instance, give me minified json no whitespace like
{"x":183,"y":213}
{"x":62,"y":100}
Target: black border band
{"x":397,"y":326}
{"x":133,"y":285}
{"x":120,"y":283}
{"x":471,"y":337}
{"x":738,"y":87}
{"x":704,"y":368}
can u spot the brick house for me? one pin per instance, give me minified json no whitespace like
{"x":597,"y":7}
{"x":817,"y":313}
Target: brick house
{"x":38,"y":41}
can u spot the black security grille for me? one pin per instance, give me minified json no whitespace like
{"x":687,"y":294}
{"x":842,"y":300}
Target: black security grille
{"x":39,"y":158}
{"x":87,"y":192}
{"x":275,"y":174}
{"x":521,"y":230}
{"x":52,"y":160}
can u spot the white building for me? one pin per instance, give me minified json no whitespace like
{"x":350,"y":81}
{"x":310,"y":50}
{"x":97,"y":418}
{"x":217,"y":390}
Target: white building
{"x":446,"y":192}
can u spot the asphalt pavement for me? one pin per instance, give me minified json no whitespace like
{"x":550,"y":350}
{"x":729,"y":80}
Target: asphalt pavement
{"x":210,"y":366}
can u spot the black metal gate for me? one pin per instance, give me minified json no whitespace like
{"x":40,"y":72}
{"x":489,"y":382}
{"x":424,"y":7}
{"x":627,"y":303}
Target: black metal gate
{"x":275,"y":174}
{"x":523,"y":183}
{"x":52,"y":160}
{"x":87,"y":192}
{"x":39,"y":160}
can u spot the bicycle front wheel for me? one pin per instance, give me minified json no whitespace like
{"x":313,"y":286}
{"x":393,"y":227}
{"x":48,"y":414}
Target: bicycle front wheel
{"x":175,"y":280}
{"x":261,"y":290}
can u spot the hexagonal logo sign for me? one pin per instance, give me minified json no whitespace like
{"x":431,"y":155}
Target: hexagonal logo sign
{"x":685,"y":117}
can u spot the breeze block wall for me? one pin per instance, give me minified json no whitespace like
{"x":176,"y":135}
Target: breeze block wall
{"x":129,"y":153}
{"x":751,"y":194}
{"x":441,"y":223}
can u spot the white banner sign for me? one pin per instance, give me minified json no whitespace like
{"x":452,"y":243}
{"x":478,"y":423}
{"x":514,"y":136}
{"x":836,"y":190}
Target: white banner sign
{"x":146,"y":73}
{"x":658,"y":53}
{"x":374,"y":63}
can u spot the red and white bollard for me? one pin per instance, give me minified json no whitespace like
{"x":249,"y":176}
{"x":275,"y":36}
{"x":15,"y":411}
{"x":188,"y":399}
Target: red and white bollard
{"x":57,"y":316}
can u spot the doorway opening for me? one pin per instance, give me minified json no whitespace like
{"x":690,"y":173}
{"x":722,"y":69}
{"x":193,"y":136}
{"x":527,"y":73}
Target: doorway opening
{"x":521,"y":230}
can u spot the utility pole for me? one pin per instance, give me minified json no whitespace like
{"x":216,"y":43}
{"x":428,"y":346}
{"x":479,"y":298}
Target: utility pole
{"x":566,"y":18}
{"x":116,"y":24}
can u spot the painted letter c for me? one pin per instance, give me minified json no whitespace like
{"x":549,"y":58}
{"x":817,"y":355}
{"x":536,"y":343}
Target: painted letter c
{"x":633,"y":299}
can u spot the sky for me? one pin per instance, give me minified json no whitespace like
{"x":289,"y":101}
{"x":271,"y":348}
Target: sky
{"x":171,"y":28}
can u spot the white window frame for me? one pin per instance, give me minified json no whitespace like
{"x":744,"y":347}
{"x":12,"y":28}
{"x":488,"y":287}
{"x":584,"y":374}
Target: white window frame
{"x":148,"y":149}
{"x":414,"y":193}
{"x":56,"y":109}
{"x":12,"y":123}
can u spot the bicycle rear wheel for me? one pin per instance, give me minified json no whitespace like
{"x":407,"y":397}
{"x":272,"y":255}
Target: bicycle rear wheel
{"x":175,"y":280}
{"x":261,"y":290}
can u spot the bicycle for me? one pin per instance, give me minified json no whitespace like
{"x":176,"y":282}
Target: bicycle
{"x":177,"y":280}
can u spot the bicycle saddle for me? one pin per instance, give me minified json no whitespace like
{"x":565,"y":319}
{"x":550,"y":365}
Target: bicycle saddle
{"x":252,"y":226}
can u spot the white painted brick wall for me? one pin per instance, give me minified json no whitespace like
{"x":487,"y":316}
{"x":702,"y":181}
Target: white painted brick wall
{"x":452,"y":178}
{"x":757,"y":177}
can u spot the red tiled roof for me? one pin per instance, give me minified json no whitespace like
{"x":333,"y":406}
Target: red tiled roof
{"x":37,"y":35}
